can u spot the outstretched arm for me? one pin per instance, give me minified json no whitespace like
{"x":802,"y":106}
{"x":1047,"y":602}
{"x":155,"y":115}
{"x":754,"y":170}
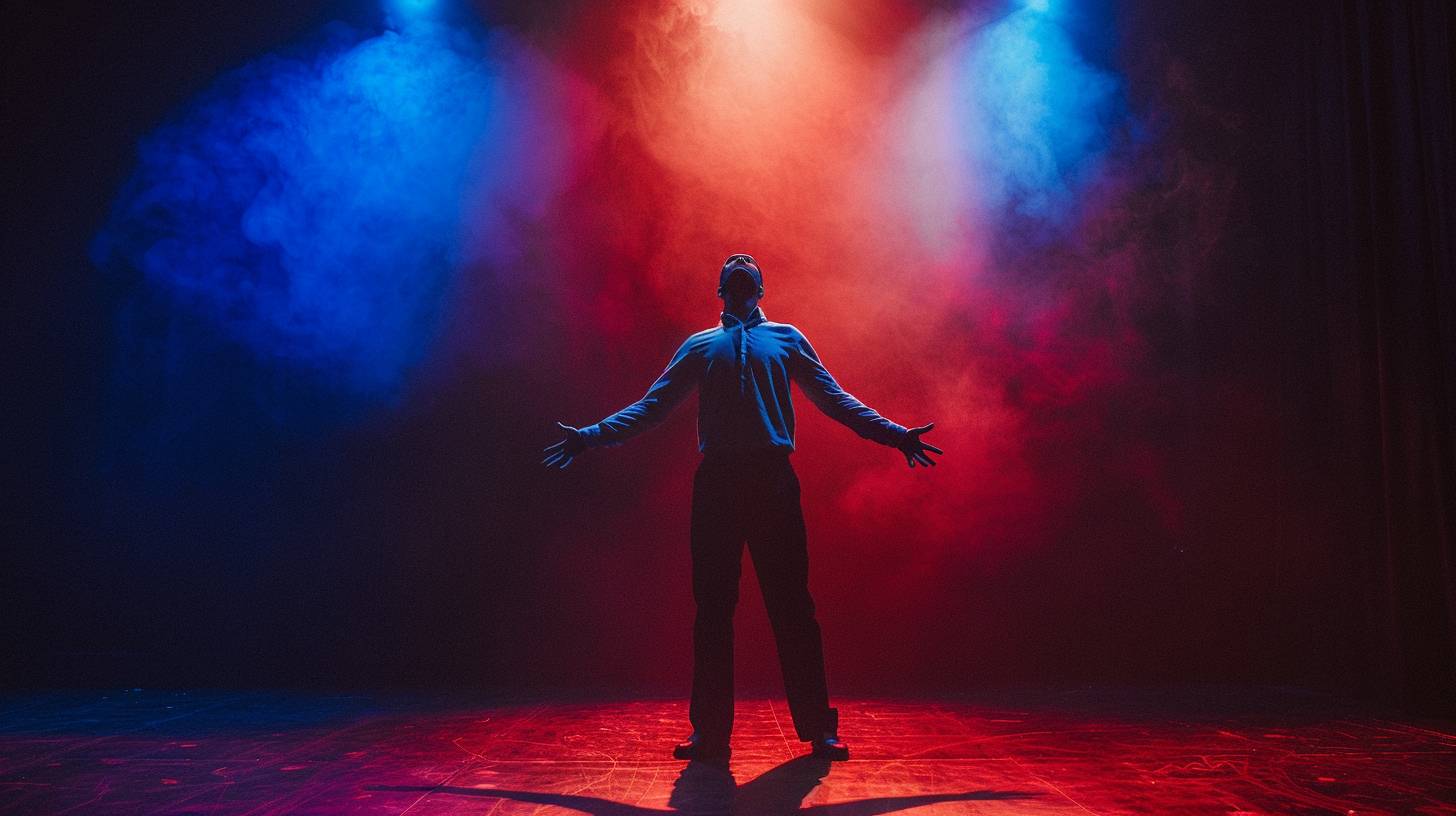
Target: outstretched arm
{"x":825,"y":392}
{"x":674,"y":384}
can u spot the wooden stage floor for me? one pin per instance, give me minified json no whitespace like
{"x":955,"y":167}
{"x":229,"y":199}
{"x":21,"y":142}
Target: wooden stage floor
{"x":1074,"y":751}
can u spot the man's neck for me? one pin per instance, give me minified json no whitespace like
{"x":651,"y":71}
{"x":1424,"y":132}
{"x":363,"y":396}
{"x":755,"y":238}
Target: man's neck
{"x":740,"y":310}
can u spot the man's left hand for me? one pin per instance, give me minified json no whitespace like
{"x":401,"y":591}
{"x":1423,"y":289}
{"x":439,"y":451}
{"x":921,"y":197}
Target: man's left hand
{"x":916,"y":451}
{"x":560,"y":454}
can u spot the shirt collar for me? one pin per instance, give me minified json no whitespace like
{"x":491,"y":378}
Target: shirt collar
{"x":755,"y":317}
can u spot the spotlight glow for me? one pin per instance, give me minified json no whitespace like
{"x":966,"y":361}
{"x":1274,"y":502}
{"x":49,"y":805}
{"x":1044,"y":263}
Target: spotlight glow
{"x":415,"y":16}
{"x":415,"y":7}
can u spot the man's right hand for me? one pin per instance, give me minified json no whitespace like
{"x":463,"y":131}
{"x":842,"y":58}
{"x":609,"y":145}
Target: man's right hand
{"x":560,"y":454}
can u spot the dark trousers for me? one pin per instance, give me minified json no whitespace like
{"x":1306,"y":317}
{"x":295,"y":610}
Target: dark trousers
{"x":753,"y":500}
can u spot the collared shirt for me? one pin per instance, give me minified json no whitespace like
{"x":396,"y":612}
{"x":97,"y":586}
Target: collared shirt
{"x":742,"y":369}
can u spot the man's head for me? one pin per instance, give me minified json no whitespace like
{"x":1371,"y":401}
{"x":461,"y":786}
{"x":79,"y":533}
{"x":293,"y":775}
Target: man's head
{"x":740,"y":279}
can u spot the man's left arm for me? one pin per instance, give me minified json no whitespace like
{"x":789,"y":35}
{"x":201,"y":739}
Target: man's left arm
{"x":826,"y":393}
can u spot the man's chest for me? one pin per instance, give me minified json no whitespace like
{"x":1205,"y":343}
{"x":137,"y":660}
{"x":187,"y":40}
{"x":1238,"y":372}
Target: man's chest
{"x":738,"y":351}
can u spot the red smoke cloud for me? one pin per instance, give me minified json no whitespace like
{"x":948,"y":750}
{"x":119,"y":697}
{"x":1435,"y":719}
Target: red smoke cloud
{"x":827,"y":146}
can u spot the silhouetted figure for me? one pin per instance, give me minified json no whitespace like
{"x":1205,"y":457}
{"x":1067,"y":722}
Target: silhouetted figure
{"x":745,"y":490}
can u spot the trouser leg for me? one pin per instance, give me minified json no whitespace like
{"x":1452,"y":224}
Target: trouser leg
{"x":717,"y":549}
{"x":779,"y":545}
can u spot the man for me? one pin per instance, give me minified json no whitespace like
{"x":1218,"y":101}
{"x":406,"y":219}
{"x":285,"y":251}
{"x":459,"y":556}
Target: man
{"x":746,"y":490}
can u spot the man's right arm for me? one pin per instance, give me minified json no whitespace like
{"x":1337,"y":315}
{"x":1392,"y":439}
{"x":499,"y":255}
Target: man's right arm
{"x":672,"y":386}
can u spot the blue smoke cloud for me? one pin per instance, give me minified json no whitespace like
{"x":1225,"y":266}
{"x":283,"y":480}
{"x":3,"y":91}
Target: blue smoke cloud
{"x":1038,"y":118}
{"x":310,"y":204}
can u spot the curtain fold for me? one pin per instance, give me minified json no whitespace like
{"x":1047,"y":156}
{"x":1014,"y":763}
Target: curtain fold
{"x":1379,"y":215}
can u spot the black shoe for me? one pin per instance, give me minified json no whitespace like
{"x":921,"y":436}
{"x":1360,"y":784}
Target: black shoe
{"x":697,"y":749}
{"x":829,"y":747}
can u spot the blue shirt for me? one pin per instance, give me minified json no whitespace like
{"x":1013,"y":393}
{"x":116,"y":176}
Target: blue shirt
{"x":742,"y":369}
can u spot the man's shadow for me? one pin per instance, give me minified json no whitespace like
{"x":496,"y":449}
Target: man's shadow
{"x":706,"y":790}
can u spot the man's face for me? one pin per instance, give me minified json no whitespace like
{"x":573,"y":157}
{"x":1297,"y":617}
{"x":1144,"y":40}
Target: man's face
{"x":740,"y":285}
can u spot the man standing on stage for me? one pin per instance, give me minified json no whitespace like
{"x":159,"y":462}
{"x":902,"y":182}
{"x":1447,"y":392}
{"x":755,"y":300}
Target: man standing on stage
{"x":745,"y":490}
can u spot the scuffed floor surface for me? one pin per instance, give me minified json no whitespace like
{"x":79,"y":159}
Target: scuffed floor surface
{"x":1070,"y":751}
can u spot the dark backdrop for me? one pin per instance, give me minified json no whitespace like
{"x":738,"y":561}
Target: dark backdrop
{"x":411,"y":546}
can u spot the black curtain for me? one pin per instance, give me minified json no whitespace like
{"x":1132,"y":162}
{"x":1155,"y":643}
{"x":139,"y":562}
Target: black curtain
{"x":1372,"y":84}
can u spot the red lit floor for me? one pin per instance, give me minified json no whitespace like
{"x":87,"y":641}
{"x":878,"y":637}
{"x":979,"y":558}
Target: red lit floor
{"x":1073,"y":752}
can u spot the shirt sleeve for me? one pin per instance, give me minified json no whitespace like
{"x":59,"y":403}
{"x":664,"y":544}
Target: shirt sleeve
{"x":671,"y":387}
{"x":825,"y":392}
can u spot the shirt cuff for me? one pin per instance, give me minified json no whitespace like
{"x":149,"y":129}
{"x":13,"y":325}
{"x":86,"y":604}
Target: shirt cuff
{"x":591,"y":435}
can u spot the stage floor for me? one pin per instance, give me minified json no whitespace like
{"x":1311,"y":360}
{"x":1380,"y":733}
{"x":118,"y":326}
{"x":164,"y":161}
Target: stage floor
{"x":1069,"y":751}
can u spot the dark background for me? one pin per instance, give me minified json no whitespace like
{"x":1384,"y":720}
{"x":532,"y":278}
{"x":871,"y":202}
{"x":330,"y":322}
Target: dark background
{"x":1314,"y":440}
